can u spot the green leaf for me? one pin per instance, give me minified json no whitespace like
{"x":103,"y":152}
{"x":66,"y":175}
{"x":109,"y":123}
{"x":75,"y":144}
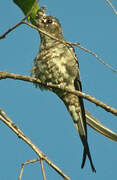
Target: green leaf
{"x":26,"y":6}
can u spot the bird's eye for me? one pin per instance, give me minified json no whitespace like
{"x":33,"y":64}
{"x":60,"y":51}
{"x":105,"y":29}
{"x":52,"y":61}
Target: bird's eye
{"x":49,"y":21}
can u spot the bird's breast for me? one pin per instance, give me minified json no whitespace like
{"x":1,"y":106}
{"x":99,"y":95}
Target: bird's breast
{"x":56,"y":65}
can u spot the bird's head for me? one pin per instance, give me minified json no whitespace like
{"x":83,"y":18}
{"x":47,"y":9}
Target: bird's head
{"x":48,"y":24}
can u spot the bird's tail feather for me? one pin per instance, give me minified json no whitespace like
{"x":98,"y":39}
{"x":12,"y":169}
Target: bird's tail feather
{"x":76,"y":108}
{"x":84,"y":159}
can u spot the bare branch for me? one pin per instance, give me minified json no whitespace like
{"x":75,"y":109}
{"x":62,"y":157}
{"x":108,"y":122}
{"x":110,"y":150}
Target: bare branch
{"x":42,"y":169}
{"x":21,"y":172}
{"x":25,"y":163}
{"x":95,"y":55}
{"x":99,"y":127}
{"x":91,"y":121}
{"x":4,"y":75}
{"x":73,"y":44}
{"x":19,"y":23}
{"x":87,"y":97}
{"x":113,"y":8}
{"x":64,"y":42}
{"x":21,"y":135}
{"x":10,"y":29}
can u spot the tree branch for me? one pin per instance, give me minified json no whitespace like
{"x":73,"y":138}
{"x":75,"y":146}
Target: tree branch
{"x":20,"y":22}
{"x":113,"y":8}
{"x":64,"y":42}
{"x":42,"y":169}
{"x":95,"y":55}
{"x":21,"y":135}
{"x":25,"y":163}
{"x":14,"y":27}
{"x":72,"y":44}
{"x":5,"y":75}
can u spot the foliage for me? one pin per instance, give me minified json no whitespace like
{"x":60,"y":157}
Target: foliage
{"x":26,"y":6}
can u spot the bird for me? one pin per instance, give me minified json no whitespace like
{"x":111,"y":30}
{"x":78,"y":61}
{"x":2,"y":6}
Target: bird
{"x":57,"y":63}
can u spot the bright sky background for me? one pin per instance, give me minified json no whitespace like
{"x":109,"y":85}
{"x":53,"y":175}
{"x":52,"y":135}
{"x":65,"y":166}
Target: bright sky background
{"x":41,"y":115}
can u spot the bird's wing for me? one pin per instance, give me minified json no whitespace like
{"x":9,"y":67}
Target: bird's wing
{"x":82,"y":128}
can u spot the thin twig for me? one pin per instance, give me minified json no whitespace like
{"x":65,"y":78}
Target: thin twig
{"x":42,"y":169}
{"x":11,"y":29}
{"x":19,"y":23}
{"x":4,"y":75}
{"x":87,"y":97}
{"x":25,"y":163}
{"x":96,"y":125}
{"x":96,"y":56}
{"x":72,"y":44}
{"x":21,"y":135}
{"x":113,"y":8}
{"x":21,"y":172}
{"x":64,"y":42}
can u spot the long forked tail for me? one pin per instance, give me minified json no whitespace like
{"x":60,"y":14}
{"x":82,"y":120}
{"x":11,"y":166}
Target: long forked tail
{"x":76,"y":109}
{"x":90,"y":159}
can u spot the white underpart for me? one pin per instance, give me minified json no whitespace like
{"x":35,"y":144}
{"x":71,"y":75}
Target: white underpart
{"x":72,"y":110}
